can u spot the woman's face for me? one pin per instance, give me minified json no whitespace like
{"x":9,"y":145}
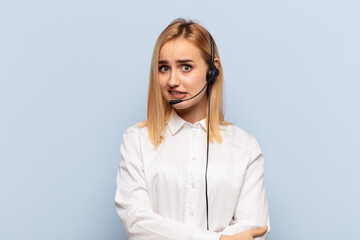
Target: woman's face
{"x":182,"y":74}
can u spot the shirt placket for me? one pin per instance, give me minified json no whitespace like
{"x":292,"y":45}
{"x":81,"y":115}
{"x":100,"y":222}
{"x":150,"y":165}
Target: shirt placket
{"x":192,"y":176}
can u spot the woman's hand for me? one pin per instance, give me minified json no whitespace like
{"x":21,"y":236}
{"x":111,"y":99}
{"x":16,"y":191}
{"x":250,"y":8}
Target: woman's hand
{"x":247,"y":235}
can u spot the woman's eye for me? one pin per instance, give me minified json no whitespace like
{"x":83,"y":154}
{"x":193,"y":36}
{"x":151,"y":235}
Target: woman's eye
{"x":186,"y":68}
{"x":163,"y":68}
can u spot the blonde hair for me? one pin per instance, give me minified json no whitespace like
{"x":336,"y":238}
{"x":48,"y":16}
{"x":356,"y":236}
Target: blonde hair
{"x":158,"y":109}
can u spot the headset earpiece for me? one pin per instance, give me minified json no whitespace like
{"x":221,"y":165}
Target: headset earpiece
{"x":212,"y":74}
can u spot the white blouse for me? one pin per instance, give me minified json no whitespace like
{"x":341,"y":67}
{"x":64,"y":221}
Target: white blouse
{"x":160,"y":193}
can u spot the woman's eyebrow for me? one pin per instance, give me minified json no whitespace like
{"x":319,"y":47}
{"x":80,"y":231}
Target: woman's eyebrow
{"x":178,"y":61}
{"x":184,"y":61}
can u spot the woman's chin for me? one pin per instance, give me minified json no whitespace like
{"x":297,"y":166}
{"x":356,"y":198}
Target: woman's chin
{"x":180,"y":106}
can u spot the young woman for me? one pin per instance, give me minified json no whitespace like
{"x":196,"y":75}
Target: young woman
{"x":186,"y":173}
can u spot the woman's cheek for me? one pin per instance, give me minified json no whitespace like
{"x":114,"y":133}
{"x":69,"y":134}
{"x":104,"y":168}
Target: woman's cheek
{"x":162,"y":84}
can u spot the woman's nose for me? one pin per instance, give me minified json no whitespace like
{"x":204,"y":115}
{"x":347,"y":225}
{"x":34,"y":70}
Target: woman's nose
{"x":174,"y":79}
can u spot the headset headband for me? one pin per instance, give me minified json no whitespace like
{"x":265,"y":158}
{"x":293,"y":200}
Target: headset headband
{"x":212,"y":50}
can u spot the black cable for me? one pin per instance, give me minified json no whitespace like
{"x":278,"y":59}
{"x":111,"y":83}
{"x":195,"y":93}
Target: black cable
{"x":207,"y":157}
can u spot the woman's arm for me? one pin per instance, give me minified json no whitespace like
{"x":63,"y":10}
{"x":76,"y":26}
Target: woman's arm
{"x":246,"y":235}
{"x":252,"y":208}
{"x":133,"y":205}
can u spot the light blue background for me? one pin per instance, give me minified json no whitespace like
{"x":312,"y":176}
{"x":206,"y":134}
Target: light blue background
{"x":74,"y":76}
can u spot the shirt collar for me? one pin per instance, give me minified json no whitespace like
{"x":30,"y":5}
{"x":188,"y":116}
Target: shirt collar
{"x":176,"y":123}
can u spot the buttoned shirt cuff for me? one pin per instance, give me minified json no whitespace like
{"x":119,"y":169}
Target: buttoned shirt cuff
{"x":201,"y":234}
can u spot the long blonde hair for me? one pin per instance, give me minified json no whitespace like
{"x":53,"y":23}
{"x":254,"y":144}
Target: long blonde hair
{"x":158,"y":109}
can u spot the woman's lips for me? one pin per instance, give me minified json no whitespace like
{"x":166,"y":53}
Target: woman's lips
{"x":178,"y":95}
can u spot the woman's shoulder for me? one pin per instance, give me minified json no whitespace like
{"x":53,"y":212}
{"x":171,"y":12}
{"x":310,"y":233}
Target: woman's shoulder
{"x":139,"y":129}
{"x":235,"y":132}
{"x":238,"y":137}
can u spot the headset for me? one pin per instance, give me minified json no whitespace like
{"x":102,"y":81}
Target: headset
{"x":211,"y":75}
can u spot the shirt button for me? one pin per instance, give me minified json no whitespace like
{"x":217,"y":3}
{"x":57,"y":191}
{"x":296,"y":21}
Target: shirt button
{"x":193,"y":158}
{"x":193,"y":185}
{"x":193,"y":134}
{"x":191,"y":213}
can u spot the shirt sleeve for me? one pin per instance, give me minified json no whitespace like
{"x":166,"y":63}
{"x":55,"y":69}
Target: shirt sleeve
{"x":252,"y":208}
{"x":133,"y":205}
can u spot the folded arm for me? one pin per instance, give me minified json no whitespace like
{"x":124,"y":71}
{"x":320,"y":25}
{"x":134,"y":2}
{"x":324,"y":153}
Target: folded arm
{"x":252,"y":208}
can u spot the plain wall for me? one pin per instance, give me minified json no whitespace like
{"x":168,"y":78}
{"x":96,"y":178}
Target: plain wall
{"x":74,"y":76}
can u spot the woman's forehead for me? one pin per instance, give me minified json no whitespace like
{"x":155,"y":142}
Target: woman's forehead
{"x":179,"y":49}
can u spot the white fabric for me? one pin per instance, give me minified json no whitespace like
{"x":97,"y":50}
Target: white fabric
{"x":161,"y":193}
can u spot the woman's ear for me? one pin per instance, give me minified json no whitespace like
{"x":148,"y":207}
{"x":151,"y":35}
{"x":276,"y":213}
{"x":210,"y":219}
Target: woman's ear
{"x":216,"y":62}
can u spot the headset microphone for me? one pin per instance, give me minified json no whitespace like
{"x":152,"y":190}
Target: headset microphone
{"x":172,"y":102}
